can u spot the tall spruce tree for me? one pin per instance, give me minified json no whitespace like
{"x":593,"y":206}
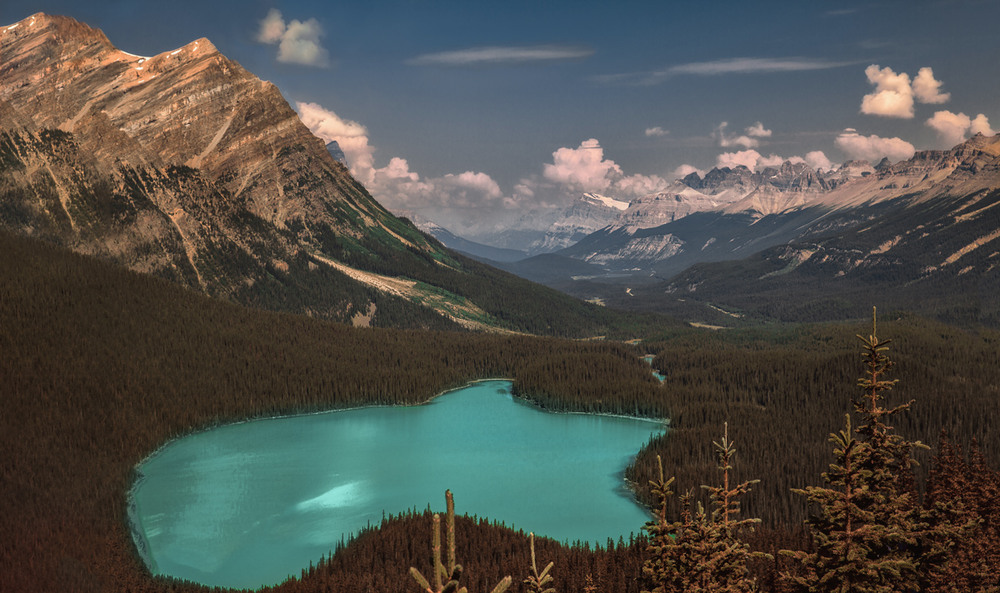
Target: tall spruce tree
{"x":870,"y":533}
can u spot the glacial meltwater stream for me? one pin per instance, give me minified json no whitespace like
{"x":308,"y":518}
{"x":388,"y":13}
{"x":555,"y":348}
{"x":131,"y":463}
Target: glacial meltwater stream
{"x":248,"y":504}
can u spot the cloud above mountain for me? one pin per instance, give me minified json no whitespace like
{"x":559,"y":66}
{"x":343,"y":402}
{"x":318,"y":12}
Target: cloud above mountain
{"x":350,"y":135}
{"x":297,"y":41}
{"x":584,"y":169}
{"x":953,"y":128}
{"x":873,"y":148}
{"x":895,"y":94}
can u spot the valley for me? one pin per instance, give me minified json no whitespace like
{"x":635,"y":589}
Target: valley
{"x":180,"y":255}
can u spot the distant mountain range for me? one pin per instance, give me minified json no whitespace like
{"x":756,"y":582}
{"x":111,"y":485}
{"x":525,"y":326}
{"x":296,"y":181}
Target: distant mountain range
{"x":929,"y":221}
{"x":186,"y":166}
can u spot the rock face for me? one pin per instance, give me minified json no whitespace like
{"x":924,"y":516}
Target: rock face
{"x":663,"y":234}
{"x":189,"y":107}
{"x":675,"y":202}
{"x":186,"y":166}
{"x":336,"y":152}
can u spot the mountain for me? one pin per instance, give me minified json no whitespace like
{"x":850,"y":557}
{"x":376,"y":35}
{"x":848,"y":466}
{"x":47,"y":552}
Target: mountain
{"x":186,"y":166}
{"x":921,"y":234}
{"x":545,"y":232}
{"x":336,"y":152}
{"x":478,"y":251}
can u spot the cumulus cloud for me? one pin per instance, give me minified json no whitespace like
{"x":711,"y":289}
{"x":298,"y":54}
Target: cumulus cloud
{"x":582,"y":168}
{"x":502,"y":55}
{"x":757,"y":130}
{"x":746,"y":158}
{"x":456,"y":200}
{"x":639,"y":185}
{"x":927,"y":89}
{"x":479,"y":182}
{"x":755,"y":161}
{"x":398,"y":169}
{"x":685,"y":170}
{"x":873,"y":148}
{"x":298,"y":41}
{"x":656,"y":131}
{"x":350,"y":135}
{"x":981,"y":125}
{"x":728,"y":141}
{"x":272,"y":27}
{"x":895,"y":95}
{"x":446,"y":199}
{"x":953,"y":128}
{"x":818,"y":160}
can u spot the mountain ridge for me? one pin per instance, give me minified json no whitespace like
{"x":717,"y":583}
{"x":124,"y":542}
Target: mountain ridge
{"x":186,"y":166}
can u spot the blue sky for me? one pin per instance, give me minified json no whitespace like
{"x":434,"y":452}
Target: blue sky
{"x":473,"y":112}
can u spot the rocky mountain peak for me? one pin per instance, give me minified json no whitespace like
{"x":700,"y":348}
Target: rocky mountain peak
{"x":182,"y":164}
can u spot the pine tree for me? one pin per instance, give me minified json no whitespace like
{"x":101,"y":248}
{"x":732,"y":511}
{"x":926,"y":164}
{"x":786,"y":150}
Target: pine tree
{"x":701,"y":552}
{"x":453,"y":571}
{"x":963,"y":496}
{"x":841,"y":561}
{"x":871,"y":534}
{"x":538,"y":582}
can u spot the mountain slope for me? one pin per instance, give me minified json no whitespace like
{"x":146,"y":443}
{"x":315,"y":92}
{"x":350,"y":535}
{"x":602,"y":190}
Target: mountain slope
{"x":186,"y":166}
{"x":940,"y":257}
{"x":897,"y":218}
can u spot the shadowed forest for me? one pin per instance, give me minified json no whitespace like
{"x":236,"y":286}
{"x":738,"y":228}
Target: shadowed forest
{"x":100,"y":366}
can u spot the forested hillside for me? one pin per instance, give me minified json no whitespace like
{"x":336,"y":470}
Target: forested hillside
{"x":784,"y":389}
{"x":101,"y":366}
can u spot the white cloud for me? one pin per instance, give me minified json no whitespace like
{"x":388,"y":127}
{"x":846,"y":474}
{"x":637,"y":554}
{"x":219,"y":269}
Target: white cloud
{"x":639,"y":185}
{"x":502,"y":55}
{"x":893,"y":96}
{"x":350,"y":135}
{"x":894,"y":93}
{"x":582,"y":168}
{"x":773,"y":160}
{"x":746,"y":158}
{"x":728,"y":141}
{"x":721,"y":68}
{"x":818,"y":160}
{"x":456,"y":200}
{"x":656,"y":131}
{"x":757,"y":130}
{"x":685,"y":170}
{"x":927,"y":89}
{"x":981,"y":125}
{"x":480,"y":182}
{"x":953,"y":128}
{"x":298,"y":41}
{"x":398,"y":169}
{"x":752,"y":66}
{"x":272,"y":27}
{"x":755,"y":161}
{"x":873,"y":148}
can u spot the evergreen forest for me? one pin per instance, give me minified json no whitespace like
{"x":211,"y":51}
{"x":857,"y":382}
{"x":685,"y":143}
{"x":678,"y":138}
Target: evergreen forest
{"x":100,"y":366}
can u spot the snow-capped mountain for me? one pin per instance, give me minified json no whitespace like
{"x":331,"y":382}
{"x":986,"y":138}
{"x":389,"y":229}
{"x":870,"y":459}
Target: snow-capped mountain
{"x":548,"y":231}
{"x":936,"y":198}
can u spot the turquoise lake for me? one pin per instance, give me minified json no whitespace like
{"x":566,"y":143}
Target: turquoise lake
{"x":248,"y":504}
